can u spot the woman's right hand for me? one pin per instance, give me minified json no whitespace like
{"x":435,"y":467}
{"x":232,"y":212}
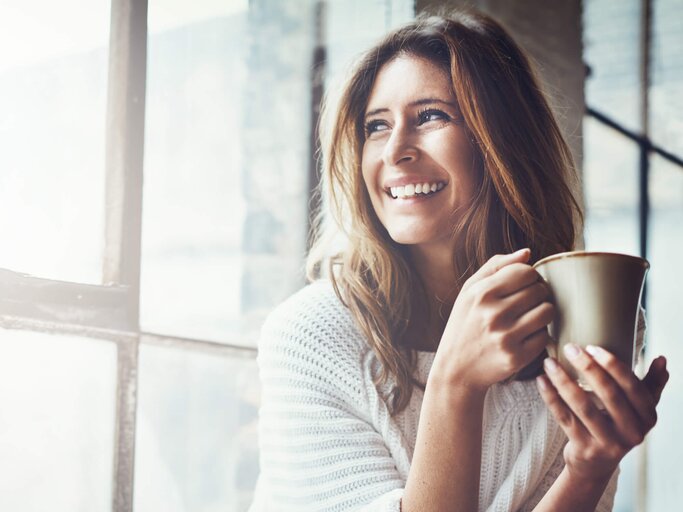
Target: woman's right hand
{"x":497,"y":326}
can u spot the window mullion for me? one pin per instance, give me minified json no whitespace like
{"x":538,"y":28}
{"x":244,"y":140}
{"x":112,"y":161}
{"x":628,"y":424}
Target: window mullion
{"x":123,"y":216}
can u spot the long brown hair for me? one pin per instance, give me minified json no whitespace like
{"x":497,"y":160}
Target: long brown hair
{"x":523,"y":168}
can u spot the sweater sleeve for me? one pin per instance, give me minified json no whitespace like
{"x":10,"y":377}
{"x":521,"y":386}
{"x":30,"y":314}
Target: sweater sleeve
{"x":318,"y":448}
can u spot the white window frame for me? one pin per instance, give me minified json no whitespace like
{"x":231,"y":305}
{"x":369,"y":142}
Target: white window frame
{"x":111,"y":311}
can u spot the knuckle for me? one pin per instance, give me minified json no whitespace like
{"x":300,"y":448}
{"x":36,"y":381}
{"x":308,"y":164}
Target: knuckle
{"x":616,"y":451}
{"x":636,"y":438}
{"x":563,"y":416}
{"x":587,"y":410}
{"x":611,"y":392}
{"x":510,"y":362}
{"x":505,"y":341}
{"x":547,"y":312}
{"x":482,"y":292}
{"x":592,"y":452}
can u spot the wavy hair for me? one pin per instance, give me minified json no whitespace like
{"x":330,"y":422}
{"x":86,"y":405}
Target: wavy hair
{"x":523,"y":196}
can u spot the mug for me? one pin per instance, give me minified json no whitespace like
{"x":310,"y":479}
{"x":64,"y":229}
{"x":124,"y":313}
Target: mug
{"x":597,"y":299}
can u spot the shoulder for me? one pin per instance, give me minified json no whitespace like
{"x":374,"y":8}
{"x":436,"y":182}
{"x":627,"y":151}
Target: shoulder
{"x":312,"y":329}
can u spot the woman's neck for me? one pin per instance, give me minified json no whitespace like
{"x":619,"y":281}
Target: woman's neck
{"x":435,"y":268}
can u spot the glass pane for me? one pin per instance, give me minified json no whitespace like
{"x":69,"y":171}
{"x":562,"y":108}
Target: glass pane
{"x":53,"y":83}
{"x":57,"y":422}
{"x":196,"y":445}
{"x":666,"y":103}
{"x":665,"y":451}
{"x":611,"y":35}
{"x":353,"y":26}
{"x":610,"y":179}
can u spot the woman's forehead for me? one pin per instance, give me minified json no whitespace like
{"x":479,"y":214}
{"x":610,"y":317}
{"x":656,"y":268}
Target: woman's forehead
{"x":407,"y":79}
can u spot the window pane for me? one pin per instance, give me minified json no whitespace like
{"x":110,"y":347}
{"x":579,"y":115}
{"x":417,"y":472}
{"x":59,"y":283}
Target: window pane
{"x":53,"y":78}
{"x":226,"y":169}
{"x":611,"y":38}
{"x":611,"y":194}
{"x":665,"y":451}
{"x":57,"y":422}
{"x":228,"y":156}
{"x":666,"y":103}
{"x":353,"y":26}
{"x":196,"y":443}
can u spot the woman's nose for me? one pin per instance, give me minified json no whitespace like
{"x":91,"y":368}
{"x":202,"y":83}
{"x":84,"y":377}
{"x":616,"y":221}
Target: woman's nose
{"x":400,"y":148}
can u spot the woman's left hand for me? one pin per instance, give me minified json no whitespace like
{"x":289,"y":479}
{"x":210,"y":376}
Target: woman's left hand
{"x":599,"y":439}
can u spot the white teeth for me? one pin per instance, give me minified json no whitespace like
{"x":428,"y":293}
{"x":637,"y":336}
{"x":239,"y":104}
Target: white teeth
{"x":414,"y":189}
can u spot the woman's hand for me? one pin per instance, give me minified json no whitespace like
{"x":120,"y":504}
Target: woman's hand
{"x":497,"y":326}
{"x":599,"y":439}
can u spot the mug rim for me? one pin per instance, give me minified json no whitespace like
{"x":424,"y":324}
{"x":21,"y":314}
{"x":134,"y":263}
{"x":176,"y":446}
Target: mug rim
{"x":578,"y":254}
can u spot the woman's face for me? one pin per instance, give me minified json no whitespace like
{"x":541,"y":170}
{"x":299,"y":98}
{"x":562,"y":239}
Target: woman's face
{"x":416,"y":160}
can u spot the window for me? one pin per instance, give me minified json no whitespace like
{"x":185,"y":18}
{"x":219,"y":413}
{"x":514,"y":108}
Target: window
{"x":154,"y":190}
{"x":633,"y":182}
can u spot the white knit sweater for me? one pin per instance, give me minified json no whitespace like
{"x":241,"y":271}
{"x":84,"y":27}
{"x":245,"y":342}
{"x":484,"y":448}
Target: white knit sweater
{"x":328,"y":443}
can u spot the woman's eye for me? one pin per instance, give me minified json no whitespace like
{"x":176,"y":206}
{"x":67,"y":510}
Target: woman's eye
{"x":375,"y":126}
{"x":432,"y":115}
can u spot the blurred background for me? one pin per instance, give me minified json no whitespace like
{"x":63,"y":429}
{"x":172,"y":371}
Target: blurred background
{"x":156,"y":170}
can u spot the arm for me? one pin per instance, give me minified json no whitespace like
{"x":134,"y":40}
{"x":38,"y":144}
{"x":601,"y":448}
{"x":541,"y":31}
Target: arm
{"x":496,"y":327}
{"x":444,"y":474}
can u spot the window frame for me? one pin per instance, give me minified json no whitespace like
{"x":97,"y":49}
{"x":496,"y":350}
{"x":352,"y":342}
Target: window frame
{"x":111,"y":311}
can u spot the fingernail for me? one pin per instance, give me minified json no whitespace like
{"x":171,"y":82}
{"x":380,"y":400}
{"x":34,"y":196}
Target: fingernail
{"x":550,"y":365}
{"x":571,"y":351}
{"x":542,"y":384}
{"x":593,"y":350}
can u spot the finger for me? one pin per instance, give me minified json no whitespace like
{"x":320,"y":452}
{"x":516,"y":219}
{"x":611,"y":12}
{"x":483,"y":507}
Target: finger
{"x":534,"y":344}
{"x":656,"y":378}
{"x":642,"y":398}
{"x":579,"y":402}
{"x":495,"y":263}
{"x":620,"y":392}
{"x":532,"y":321}
{"x":526,"y":299}
{"x":559,"y":409}
{"x":512,"y":278}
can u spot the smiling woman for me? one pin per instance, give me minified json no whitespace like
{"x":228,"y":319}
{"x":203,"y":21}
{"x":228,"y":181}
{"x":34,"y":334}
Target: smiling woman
{"x":402,"y":378}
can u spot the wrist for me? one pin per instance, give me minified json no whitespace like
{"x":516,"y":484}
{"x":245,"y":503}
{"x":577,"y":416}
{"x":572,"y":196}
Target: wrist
{"x":444,"y":377}
{"x":454,"y":391}
{"x":587,"y":483}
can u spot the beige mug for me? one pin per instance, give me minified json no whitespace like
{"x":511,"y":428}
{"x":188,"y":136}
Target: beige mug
{"x":597,"y":299}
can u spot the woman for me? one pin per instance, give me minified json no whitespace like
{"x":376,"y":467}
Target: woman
{"x":404,"y":380}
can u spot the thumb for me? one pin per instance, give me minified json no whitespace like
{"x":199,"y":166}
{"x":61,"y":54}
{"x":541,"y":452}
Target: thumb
{"x":656,"y":377}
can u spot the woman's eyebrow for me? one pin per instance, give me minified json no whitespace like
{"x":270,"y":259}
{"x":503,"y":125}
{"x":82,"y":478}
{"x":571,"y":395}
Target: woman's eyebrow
{"x":422,"y":101}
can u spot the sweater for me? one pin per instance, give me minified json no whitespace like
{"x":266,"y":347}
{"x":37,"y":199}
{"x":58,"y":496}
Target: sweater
{"x":328,"y":443}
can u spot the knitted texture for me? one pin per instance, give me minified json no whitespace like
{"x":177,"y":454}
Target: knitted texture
{"x":328,"y":443}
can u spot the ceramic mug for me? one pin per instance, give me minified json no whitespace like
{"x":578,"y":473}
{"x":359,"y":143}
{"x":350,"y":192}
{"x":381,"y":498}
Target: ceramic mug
{"x":597,"y":299}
